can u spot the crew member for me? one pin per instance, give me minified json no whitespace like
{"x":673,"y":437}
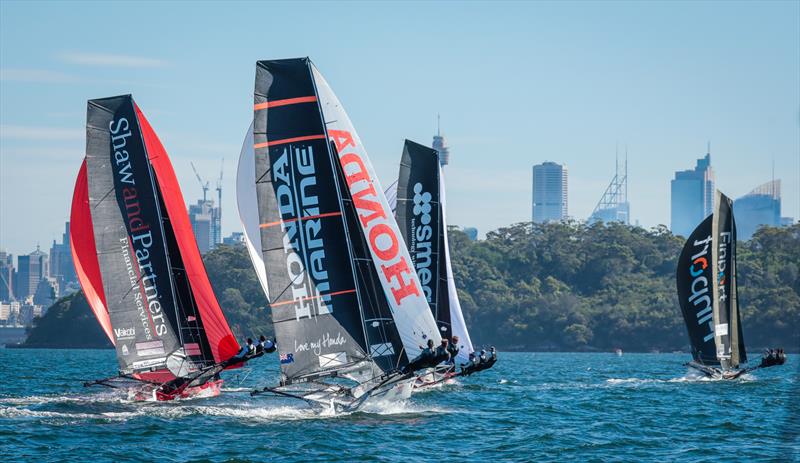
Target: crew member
{"x":442,"y":353}
{"x":264,"y":346}
{"x":469,"y":367}
{"x":492,"y":358}
{"x":452,"y":349}
{"x":247,"y":350}
{"x":422,"y":360}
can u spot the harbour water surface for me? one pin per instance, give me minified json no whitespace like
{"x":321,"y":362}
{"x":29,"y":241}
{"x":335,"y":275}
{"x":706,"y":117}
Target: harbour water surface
{"x":530,"y":407}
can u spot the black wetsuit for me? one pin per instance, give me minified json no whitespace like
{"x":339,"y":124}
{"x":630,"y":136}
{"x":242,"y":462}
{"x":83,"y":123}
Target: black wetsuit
{"x":421,"y":361}
{"x":452,"y":349}
{"x":441,"y":355}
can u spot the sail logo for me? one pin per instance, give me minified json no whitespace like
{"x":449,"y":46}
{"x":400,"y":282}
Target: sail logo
{"x":382,"y":237}
{"x":421,"y":244}
{"x":700,"y":296}
{"x":121,"y":333}
{"x":294,"y":178}
{"x":140,"y":238}
{"x":722,"y":262}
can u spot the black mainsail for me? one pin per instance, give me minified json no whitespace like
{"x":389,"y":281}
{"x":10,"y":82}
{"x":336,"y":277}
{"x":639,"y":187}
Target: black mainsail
{"x":328,"y":296}
{"x":420,"y":212}
{"x":707,"y":291}
{"x":138,"y":257}
{"x":728,"y":327}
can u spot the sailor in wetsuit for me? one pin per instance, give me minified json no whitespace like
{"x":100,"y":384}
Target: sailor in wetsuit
{"x":469,"y":367}
{"x":452,"y":349}
{"x":265,"y":346}
{"x":442,"y":353}
{"x":248,"y":350}
{"x":422,"y":360}
{"x":491,"y":360}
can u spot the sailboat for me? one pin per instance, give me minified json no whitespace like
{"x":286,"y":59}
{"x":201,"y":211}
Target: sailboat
{"x":420,"y":212}
{"x":708,"y":294}
{"x":347,"y":306}
{"x":138,"y":263}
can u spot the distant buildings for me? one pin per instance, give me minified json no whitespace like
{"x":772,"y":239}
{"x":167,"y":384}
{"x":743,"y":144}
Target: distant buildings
{"x":613,"y":205}
{"x":234,"y":239}
{"x":31,"y":269}
{"x":692,"y":197}
{"x":762,"y":206}
{"x":6,"y":276}
{"x":440,"y":145}
{"x":205,"y":219}
{"x":61,"y":267}
{"x":549,"y":192}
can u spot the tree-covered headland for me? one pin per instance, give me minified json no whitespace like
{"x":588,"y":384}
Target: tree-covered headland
{"x":555,"y":286}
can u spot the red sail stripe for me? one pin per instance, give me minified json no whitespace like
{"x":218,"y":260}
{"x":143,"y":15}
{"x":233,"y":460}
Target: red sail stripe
{"x":84,"y":253}
{"x":289,"y":140}
{"x":220,"y":338}
{"x":287,"y":101}
{"x":348,"y":291}
{"x":278,"y":222}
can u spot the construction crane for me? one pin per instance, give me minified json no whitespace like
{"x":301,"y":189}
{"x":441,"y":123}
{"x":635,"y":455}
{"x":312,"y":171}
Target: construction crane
{"x":219,"y":204}
{"x":203,"y":185}
{"x":219,"y":181}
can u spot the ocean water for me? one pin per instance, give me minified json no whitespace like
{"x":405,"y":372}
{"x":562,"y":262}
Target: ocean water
{"x":530,"y":407}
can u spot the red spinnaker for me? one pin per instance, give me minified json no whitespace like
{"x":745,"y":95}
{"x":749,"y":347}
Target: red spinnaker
{"x":223,"y":343}
{"x":84,"y":254}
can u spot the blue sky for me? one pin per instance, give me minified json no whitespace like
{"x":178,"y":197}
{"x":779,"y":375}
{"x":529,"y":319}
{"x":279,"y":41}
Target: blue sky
{"x":515,"y":83}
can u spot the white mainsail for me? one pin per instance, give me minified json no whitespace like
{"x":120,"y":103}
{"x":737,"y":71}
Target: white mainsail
{"x":247,"y":203}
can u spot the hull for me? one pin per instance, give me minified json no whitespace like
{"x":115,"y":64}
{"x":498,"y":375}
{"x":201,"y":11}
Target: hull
{"x":717,"y":373}
{"x":434,"y":377}
{"x":344,"y":400}
{"x":209,"y":389}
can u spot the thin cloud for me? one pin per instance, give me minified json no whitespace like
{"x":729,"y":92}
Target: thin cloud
{"x":111,"y":60}
{"x":22,"y":132}
{"x":36,"y":75}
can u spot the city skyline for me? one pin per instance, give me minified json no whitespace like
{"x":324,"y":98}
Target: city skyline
{"x":578,"y":86}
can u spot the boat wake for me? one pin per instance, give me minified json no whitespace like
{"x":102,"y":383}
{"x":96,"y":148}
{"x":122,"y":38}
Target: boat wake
{"x":690,"y":377}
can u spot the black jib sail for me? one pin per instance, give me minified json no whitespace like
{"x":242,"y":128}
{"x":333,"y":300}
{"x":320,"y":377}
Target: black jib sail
{"x":328,"y":300}
{"x":707,"y":291}
{"x":142,"y":261}
{"x":696,"y":292}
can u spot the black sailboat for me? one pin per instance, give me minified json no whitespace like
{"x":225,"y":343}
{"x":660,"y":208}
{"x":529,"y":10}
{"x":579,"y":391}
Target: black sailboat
{"x":708,"y":294}
{"x":346,"y":304}
{"x":420,"y":210}
{"x":137,"y":260}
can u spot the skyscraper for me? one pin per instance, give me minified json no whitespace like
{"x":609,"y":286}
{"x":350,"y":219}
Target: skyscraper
{"x":440,"y":145}
{"x":762,"y":206}
{"x":692,"y":196}
{"x":30,"y":270}
{"x":206,"y":227}
{"x":6,"y":276}
{"x":549,"y":192}
{"x":61,"y":267}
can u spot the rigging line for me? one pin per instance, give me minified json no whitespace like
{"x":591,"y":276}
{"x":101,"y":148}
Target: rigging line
{"x":269,"y":169}
{"x":104,"y":196}
{"x":291,"y":283}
